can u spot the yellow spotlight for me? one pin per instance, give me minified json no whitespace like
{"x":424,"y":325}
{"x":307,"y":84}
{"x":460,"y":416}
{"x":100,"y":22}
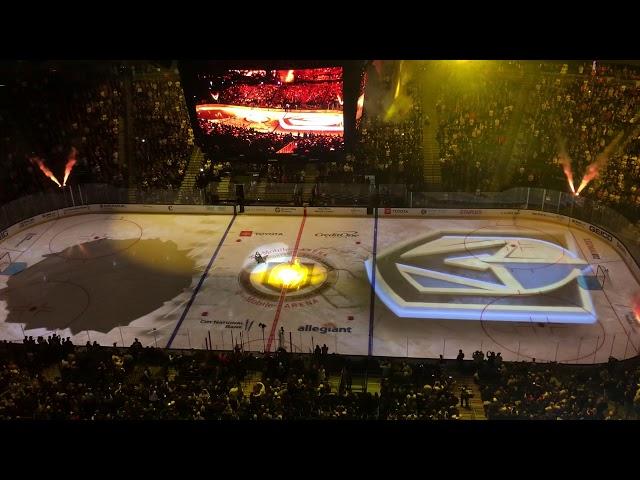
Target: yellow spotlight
{"x":288,"y":275}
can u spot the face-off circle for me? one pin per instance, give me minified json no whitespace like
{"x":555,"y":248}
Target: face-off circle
{"x":302,"y":277}
{"x":108,"y":237}
{"x":51,"y":304}
{"x":544,"y":341}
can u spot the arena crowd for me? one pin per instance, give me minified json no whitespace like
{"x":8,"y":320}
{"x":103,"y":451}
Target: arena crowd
{"x":54,"y":379}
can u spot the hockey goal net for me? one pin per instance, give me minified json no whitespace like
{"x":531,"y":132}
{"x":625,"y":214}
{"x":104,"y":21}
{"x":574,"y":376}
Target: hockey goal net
{"x":601,"y":274}
{"x":5,"y":261}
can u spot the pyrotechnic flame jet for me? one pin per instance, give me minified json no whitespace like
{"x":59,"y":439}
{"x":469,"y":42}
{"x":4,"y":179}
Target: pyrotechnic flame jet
{"x":71,"y":161}
{"x":593,"y":170}
{"x":635,"y":303}
{"x":48,"y":173}
{"x":565,"y":161}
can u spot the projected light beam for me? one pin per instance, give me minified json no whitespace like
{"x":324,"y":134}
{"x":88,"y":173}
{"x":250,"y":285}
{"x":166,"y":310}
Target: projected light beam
{"x":593,"y":170}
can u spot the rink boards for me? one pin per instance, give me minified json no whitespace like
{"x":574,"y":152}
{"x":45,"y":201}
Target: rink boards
{"x":515,"y":281}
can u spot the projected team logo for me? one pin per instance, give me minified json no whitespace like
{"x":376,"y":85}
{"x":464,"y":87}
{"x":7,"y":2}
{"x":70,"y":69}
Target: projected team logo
{"x":501,"y":275}
{"x":303,"y":277}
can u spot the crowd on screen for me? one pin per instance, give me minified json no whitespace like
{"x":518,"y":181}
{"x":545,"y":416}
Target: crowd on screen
{"x":293,"y":96}
{"x":238,"y":144}
{"x":53,"y":379}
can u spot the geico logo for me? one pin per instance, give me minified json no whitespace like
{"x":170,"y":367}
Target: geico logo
{"x":470,"y":212}
{"x":602,"y":233}
{"x":268,"y":234}
{"x":337,"y":234}
{"x":399,"y":210}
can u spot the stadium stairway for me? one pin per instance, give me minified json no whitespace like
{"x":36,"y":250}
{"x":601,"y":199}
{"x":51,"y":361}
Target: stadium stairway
{"x":310,"y":176}
{"x":225,"y":189}
{"x":430,"y":147}
{"x":249,"y":380}
{"x":372,"y":384}
{"x":191,"y":174}
{"x":132,"y":195}
{"x":508,"y":158}
{"x":259,"y":191}
{"x":431,"y":153}
{"x":476,"y":407}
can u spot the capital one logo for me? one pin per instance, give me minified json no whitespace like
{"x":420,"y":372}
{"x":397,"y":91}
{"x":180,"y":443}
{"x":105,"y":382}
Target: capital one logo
{"x":491,"y":276}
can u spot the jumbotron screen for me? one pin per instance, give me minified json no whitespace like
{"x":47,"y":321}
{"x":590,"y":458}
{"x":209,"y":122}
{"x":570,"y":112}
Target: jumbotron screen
{"x":274,"y":111}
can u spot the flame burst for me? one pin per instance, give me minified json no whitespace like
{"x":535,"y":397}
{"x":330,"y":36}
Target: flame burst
{"x":71,"y":161}
{"x":635,"y":304}
{"x":565,"y":161}
{"x":48,"y":173}
{"x":289,"y":77}
{"x":593,"y":170}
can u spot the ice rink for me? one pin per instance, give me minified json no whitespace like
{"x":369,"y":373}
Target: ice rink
{"x":525,"y":288}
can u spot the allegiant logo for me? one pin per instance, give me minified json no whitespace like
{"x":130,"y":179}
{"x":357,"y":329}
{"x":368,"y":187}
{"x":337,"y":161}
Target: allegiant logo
{"x":311,"y":328}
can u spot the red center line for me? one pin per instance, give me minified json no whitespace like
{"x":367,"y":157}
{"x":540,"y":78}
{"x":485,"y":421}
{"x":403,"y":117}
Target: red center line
{"x":283,"y":291}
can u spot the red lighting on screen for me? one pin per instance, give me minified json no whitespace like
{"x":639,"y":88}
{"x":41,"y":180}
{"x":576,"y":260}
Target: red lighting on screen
{"x":273,"y":120}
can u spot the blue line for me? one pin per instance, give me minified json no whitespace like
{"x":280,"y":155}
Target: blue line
{"x":204,"y":275}
{"x":373,"y":279}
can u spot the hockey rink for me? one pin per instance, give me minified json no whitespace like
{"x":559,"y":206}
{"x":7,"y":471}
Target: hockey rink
{"x":522,"y":287}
